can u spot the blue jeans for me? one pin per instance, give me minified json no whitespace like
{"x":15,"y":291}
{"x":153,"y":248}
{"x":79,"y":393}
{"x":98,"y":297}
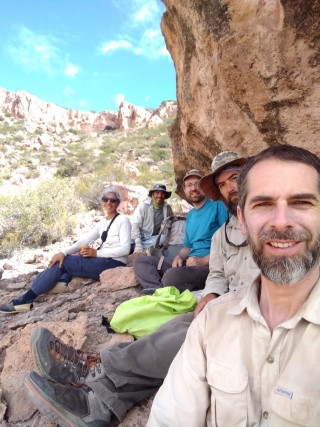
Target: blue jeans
{"x":74,"y":266}
{"x":150,"y":241}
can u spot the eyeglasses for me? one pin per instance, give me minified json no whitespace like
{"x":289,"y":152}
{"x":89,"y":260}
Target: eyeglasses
{"x":109,"y":199}
{"x":191,"y":185}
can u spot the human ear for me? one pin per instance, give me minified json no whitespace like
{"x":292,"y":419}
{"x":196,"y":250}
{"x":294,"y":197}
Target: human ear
{"x":241,"y":221}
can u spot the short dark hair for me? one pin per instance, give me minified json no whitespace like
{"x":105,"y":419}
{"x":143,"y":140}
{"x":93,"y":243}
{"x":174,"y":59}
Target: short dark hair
{"x":286,"y":153}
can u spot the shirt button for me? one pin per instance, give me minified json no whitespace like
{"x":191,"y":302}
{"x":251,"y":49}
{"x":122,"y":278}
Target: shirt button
{"x":265,"y":415}
{"x":245,"y":258}
{"x":270,"y":359}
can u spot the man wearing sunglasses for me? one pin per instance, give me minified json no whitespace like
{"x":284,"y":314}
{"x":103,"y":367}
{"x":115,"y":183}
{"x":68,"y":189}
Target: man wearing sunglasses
{"x":148,"y":216}
{"x":123,"y":374}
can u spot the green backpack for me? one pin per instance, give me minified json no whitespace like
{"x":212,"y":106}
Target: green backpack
{"x":144,"y":315}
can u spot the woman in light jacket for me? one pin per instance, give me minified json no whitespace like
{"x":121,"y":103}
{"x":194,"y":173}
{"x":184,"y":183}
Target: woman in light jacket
{"x":113,"y":232}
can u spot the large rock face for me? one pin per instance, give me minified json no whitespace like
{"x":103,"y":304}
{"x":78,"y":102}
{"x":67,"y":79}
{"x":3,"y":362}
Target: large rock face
{"x":247,"y":76}
{"x":49,"y":116}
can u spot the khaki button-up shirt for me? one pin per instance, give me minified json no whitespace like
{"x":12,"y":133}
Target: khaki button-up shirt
{"x":231,"y":268}
{"x":232,"y":372}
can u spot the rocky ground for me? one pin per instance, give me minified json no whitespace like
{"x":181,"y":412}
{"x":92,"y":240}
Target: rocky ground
{"x":74,"y":316}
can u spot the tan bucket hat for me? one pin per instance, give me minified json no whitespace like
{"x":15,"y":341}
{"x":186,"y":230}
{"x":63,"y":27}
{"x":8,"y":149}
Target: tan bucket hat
{"x":220,"y":162}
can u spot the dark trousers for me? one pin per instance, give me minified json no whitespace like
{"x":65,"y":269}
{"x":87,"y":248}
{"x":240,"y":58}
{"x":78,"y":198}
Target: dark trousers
{"x":74,"y":266}
{"x":192,"y":278}
{"x":136,"y":370}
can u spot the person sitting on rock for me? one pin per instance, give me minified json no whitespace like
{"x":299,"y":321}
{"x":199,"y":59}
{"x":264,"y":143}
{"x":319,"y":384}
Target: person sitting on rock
{"x":113,"y":232}
{"x":190,"y":267}
{"x":148,"y":217}
{"x":113,"y":380}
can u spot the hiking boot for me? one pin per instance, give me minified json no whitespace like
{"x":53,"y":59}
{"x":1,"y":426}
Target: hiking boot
{"x":76,"y":405}
{"x":62,"y":363}
{"x":13,"y":309}
{"x":59,"y":288}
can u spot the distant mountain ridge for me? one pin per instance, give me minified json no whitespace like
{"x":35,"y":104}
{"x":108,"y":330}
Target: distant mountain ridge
{"x":40,"y":114}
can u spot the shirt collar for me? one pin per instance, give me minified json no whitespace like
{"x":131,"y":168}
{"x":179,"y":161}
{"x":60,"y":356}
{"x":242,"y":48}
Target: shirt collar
{"x":310,"y":310}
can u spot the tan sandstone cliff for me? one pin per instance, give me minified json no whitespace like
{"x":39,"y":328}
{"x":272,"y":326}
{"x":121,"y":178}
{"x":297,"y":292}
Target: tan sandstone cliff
{"x":48,"y":116}
{"x":247,"y":76}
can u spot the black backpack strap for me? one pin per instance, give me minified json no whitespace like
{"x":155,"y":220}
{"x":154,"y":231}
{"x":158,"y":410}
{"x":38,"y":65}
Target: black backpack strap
{"x":104,"y":235}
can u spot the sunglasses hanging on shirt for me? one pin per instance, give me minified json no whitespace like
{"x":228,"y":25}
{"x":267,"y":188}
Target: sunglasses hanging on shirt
{"x":245,"y":243}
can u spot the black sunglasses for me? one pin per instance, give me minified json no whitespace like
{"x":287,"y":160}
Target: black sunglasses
{"x":109,"y":199}
{"x":245,"y":243}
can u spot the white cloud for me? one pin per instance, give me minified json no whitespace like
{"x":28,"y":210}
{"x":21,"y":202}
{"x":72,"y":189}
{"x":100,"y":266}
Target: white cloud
{"x":68,"y":91}
{"x":120,"y":98}
{"x":71,"y":70}
{"x":114,"y":45}
{"x":40,"y":52}
{"x":147,"y":99}
{"x":83,"y":103}
{"x":151,"y":45}
{"x":37,"y":52}
{"x":141,"y":34}
{"x":147,"y":12}
{"x":164,"y":51}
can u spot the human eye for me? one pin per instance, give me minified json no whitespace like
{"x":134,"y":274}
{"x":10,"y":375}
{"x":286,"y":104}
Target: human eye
{"x":262,"y":204}
{"x":302,"y":203}
{"x":221,"y":184}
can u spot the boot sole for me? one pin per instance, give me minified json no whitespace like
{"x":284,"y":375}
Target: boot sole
{"x":49,"y":406}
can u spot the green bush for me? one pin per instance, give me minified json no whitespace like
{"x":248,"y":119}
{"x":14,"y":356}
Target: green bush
{"x":18,"y":138}
{"x":67,"y":167}
{"x":40,"y":216}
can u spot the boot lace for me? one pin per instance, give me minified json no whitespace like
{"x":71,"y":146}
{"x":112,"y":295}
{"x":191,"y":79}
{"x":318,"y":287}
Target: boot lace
{"x":83,"y":362}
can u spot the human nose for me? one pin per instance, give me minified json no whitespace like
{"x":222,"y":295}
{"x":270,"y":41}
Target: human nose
{"x":282,"y":217}
{"x":231,"y":187}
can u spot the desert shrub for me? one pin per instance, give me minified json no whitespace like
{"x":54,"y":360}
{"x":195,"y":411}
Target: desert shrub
{"x":32,"y":173}
{"x":67,"y":167}
{"x":40,"y":216}
{"x":89,"y":189}
{"x":18,"y":138}
{"x":73,"y":131}
{"x":147,"y":176}
{"x":1,"y":118}
{"x":5,"y":128}
{"x":7,"y":114}
{"x":159,"y":154}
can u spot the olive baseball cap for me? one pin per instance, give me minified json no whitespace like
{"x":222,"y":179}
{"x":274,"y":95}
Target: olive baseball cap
{"x":220,"y":162}
{"x":193,"y":172}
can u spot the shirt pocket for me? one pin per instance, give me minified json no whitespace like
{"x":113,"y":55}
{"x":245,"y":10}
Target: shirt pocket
{"x":301,"y":409}
{"x":228,"y":395}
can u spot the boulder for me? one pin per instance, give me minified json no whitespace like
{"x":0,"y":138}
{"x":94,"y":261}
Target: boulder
{"x":247,"y":77}
{"x":118,"y":278}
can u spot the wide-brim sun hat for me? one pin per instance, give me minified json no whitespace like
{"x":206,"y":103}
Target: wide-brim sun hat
{"x":220,"y":162}
{"x":160,"y":187}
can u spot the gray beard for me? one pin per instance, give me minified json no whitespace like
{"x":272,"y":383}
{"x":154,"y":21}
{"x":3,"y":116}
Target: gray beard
{"x":285,"y":270}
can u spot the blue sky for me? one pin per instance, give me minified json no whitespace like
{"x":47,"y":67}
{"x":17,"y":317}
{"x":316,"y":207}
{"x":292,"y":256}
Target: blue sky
{"x":86,"y":54}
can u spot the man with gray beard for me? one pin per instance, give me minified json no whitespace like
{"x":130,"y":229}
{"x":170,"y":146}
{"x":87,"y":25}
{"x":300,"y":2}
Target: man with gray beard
{"x":261,"y":365}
